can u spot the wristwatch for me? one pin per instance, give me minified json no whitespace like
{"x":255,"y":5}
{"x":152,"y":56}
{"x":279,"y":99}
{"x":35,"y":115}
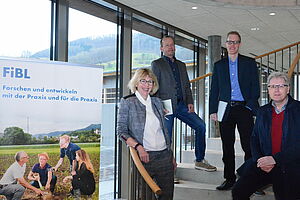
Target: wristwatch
{"x":135,"y":146}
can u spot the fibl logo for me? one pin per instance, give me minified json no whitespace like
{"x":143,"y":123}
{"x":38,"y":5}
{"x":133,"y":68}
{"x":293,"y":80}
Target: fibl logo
{"x":12,"y":72}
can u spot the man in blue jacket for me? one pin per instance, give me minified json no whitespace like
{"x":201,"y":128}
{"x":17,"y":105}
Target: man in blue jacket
{"x":235,"y":81}
{"x":275,"y":145}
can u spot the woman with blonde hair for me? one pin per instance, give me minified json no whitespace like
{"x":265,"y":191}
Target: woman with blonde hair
{"x":141,"y":124}
{"x":83,"y":182}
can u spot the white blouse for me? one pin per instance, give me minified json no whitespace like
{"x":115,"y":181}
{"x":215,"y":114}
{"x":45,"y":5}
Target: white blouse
{"x":154,"y":139}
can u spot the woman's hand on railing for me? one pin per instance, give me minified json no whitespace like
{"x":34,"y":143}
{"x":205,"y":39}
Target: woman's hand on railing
{"x":143,"y":171}
{"x":144,"y":156}
{"x":131,"y":142}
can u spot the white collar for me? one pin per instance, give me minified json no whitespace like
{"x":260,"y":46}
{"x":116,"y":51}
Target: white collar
{"x":142,"y":100}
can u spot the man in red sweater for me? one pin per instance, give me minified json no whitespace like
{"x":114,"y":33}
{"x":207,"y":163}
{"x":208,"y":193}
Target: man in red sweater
{"x":275,"y":145}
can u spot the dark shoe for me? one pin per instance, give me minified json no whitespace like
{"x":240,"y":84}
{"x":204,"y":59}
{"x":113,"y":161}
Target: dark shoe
{"x":260,"y":192}
{"x":226,"y":185}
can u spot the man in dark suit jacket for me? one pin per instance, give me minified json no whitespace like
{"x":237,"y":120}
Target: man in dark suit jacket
{"x":235,"y":81}
{"x":174,"y":84}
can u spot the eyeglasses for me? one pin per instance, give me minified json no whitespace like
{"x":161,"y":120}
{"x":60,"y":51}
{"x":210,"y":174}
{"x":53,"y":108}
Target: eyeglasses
{"x":230,"y":42}
{"x":144,"y":82}
{"x":26,"y":157}
{"x":277,"y":86}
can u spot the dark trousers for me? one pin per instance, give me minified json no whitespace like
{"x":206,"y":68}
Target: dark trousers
{"x":241,"y":117}
{"x":285,"y":187}
{"x":160,"y":168}
{"x":52,"y":183}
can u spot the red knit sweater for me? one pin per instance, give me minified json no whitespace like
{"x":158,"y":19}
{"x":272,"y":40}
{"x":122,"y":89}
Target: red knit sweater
{"x":276,"y":131}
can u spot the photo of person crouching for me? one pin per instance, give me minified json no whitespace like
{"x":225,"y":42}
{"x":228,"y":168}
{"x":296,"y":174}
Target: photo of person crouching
{"x":41,"y":175}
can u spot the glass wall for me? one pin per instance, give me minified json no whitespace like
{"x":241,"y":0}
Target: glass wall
{"x":95,"y":30}
{"x":25,"y":30}
{"x":145,"y":49}
{"x":92,"y":40}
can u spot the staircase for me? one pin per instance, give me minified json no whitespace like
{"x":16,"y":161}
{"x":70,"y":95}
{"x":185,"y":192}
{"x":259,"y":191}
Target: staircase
{"x":201,"y":185}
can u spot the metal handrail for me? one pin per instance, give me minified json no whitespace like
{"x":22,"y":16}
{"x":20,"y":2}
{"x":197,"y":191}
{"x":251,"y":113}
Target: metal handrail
{"x":154,"y":187}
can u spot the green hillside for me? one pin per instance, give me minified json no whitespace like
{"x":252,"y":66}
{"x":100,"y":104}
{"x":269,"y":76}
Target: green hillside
{"x":102,"y":51}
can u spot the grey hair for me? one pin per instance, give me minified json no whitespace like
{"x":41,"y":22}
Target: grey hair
{"x":282,"y":75}
{"x":18,"y":155}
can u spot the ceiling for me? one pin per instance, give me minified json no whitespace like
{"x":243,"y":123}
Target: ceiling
{"x":217,"y":17}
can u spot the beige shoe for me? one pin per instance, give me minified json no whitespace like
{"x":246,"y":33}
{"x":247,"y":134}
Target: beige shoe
{"x":204,"y":165}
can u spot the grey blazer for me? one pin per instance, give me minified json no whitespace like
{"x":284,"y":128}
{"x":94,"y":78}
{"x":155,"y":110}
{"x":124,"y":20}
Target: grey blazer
{"x":132,"y":118}
{"x":167,"y":83}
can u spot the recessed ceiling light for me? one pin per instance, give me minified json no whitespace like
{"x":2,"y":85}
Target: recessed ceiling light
{"x":272,"y":13}
{"x":254,"y":29}
{"x":194,"y":7}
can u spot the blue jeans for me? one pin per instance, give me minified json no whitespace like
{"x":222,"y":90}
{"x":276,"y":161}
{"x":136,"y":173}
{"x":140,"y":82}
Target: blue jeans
{"x":192,"y":120}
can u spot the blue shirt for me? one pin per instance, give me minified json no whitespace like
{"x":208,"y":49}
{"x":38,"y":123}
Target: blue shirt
{"x":236,"y":94}
{"x":70,"y":151}
{"x":176,"y":74}
{"x":43,"y":172}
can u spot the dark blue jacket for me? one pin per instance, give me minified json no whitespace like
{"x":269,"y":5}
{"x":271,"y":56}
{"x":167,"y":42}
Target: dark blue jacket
{"x":70,"y":151}
{"x":248,"y":80}
{"x":288,"y":160}
{"x":43,"y":172}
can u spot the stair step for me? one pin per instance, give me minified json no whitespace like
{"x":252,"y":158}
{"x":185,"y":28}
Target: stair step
{"x":198,"y":184}
{"x":212,"y":156}
{"x":187,"y":171}
{"x":200,"y":191}
{"x":216,"y":144}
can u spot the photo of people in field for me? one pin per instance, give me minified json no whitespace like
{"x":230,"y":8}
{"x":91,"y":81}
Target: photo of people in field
{"x":50,"y":168}
{"x":50,"y":130}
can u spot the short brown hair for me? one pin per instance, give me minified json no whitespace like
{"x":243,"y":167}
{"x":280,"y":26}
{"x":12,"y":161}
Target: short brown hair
{"x":164,"y":37}
{"x":140,"y":74}
{"x":234,"y":33}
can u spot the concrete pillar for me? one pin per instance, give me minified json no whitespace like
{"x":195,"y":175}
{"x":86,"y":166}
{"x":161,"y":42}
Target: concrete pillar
{"x":61,"y":31}
{"x":202,"y":69}
{"x":214,"y":54}
{"x":125,"y":71}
